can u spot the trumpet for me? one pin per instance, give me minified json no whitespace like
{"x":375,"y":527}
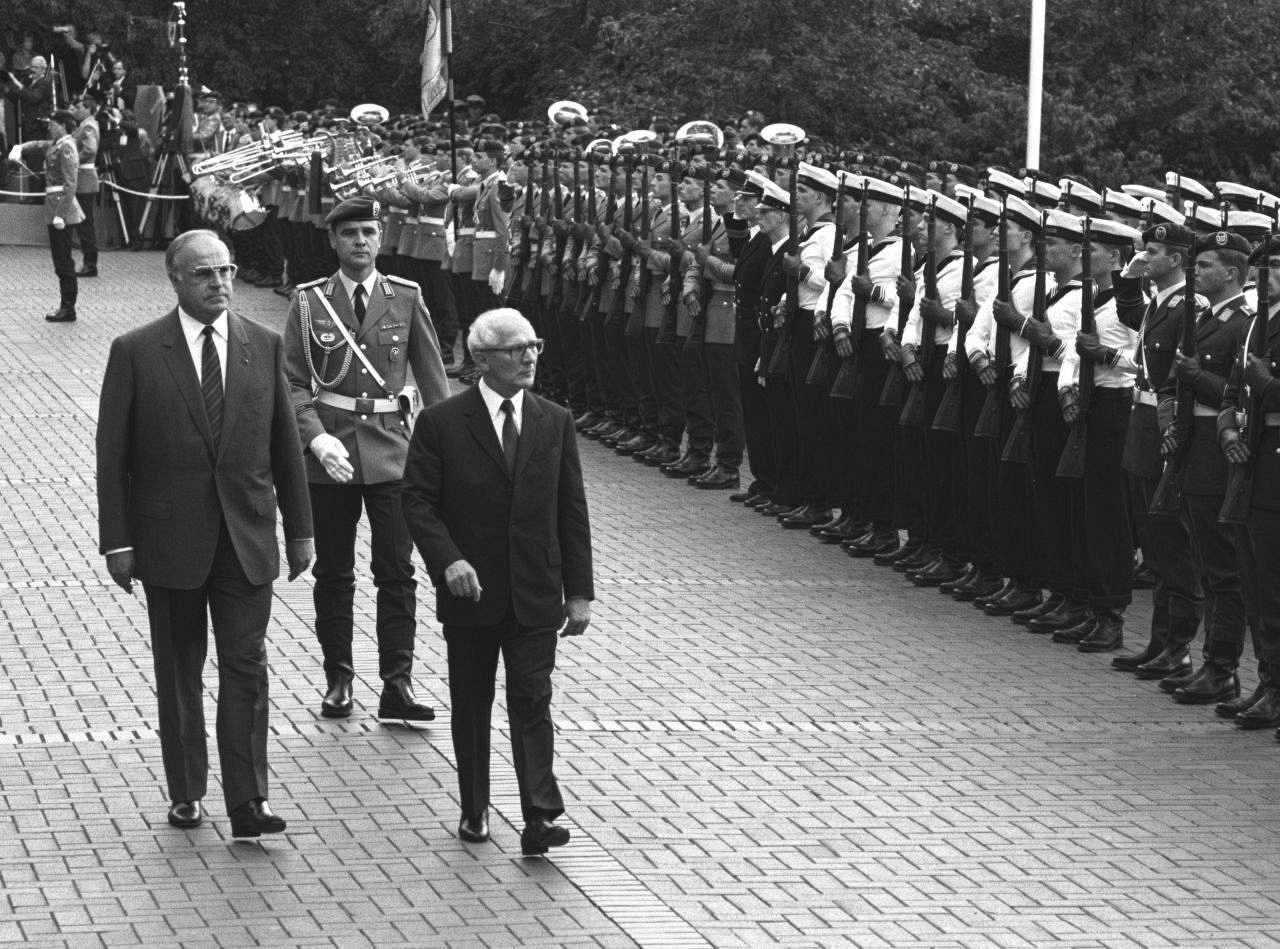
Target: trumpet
{"x":565,"y":112}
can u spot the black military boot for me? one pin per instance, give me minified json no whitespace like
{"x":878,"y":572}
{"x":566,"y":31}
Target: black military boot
{"x":397,"y":705}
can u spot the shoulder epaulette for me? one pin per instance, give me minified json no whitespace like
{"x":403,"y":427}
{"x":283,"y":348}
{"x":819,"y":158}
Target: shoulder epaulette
{"x":311,"y":283}
{"x":401,"y":280}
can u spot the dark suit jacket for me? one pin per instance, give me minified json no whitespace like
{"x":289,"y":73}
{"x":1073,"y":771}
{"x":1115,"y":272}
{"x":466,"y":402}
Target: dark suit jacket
{"x":527,"y":537}
{"x":162,"y":490}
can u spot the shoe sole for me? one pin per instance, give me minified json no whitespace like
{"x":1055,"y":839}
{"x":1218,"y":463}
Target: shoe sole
{"x":406,"y":722}
{"x":335,"y":712}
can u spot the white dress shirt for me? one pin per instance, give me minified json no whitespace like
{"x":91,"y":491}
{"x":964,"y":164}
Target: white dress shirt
{"x":193,"y":330}
{"x":349,"y":285}
{"x":497,"y":418}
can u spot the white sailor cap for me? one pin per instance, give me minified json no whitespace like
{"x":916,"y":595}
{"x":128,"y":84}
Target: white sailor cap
{"x":818,"y":178}
{"x":1021,"y":213}
{"x":883,"y":191}
{"x":1242,"y":196}
{"x":1042,"y":192}
{"x":775,"y":197}
{"x":1205,"y":218}
{"x":1159,"y":211}
{"x":1062,"y":224}
{"x":964,"y":192}
{"x":1079,"y":197}
{"x":1253,"y":225}
{"x":755,"y":183}
{"x":986,"y":210}
{"x":1122,"y":203}
{"x":1002,"y":182}
{"x":1187,"y":188}
{"x":1144,"y":191}
{"x":1106,"y":231}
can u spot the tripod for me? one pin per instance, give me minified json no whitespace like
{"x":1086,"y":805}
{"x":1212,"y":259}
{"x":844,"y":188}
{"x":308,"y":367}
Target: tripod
{"x":109,"y":178}
{"x":171,"y":172}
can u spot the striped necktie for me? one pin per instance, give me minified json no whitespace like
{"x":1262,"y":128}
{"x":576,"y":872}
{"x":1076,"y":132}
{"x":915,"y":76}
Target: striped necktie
{"x":211,"y":385}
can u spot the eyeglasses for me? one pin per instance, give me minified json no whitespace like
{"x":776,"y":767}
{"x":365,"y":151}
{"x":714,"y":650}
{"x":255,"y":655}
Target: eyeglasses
{"x":223,"y":272}
{"x":516,"y":352}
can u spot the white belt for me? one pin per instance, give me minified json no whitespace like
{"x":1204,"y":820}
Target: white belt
{"x":56,"y":189}
{"x":1272,"y":419}
{"x":411,"y":220}
{"x":1203,"y":411}
{"x":463,"y":231}
{"x":350,"y":404}
{"x":1143,"y":397}
{"x":88,"y":164}
{"x":431,"y":220}
{"x":483,"y":234}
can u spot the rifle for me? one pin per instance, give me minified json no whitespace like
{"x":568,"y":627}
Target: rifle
{"x":947,"y":418}
{"x":533,"y":291}
{"x":824,"y":356}
{"x":846,"y":383}
{"x":574,"y":240}
{"x":556,"y":293}
{"x":1236,"y":502}
{"x":591,"y":305}
{"x":988,"y":424}
{"x":913,"y":410}
{"x":1071,"y":464}
{"x":617,"y":308}
{"x":780,"y":358}
{"x":635,"y":323}
{"x":516,"y":292}
{"x":698,"y":330}
{"x":1017,"y":449}
{"x":895,"y":384}
{"x":671,"y":310}
{"x":1167,"y":499}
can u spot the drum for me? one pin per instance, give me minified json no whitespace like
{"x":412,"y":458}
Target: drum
{"x":224,"y":207}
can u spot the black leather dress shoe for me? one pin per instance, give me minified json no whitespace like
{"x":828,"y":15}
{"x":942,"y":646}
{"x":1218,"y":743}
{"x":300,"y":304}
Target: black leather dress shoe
{"x":872,"y":544}
{"x":1213,"y":683}
{"x":253,"y":819}
{"x":1233,"y":707}
{"x":398,"y":707}
{"x":1106,"y":636}
{"x":943,"y":571}
{"x":620,"y":437}
{"x":980,"y":587}
{"x":337,"y":701}
{"x":1166,"y":663}
{"x":1006,"y":587}
{"x":474,"y":830}
{"x":1264,"y":713}
{"x":966,"y":575}
{"x":587,"y":420}
{"x":1016,"y":601}
{"x":844,"y":529}
{"x":186,"y":814}
{"x":691,"y":466}
{"x":924,"y":556}
{"x":1053,"y":602}
{"x":286,"y":291}
{"x":639,"y":442}
{"x":757,"y":501}
{"x":540,"y":834}
{"x":87,"y":272}
{"x":774,"y":509}
{"x":666,"y":452}
{"x":1130,"y":661}
{"x":646,"y":453}
{"x":63,"y":314}
{"x":1069,"y":613}
{"x":717,"y":479}
{"x":1172,"y":683}
{"x":805,"y":518}
{"x":1076,"y":631}
{"x":901,"y":551}
{"x":738,"y":497}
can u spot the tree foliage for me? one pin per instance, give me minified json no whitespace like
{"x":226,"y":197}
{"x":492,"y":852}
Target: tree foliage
{"x":1131,"y":86}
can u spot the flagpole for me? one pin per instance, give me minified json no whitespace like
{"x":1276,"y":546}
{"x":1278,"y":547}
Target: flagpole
{"x":446,"y":38}
{"x":1035,"y":83}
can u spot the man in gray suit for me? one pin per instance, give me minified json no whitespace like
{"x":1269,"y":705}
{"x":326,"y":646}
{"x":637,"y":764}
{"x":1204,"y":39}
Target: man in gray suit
{"x":197,"y":447}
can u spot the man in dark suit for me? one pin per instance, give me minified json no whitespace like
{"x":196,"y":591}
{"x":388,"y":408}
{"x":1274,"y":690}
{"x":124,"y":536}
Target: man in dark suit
{"x":196,"y":448}
{"x":494,"y":499}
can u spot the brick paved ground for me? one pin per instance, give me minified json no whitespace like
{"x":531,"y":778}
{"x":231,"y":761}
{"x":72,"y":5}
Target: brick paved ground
{"x":761,"y":742}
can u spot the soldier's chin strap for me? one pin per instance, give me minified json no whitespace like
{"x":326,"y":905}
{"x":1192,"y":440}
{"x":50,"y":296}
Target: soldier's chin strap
{"x":351,"y":343}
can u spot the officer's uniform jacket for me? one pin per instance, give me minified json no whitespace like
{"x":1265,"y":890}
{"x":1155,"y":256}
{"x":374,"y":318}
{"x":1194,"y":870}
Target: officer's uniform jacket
{"x":1237,"y":399}
{"x":748,"y":285}
{"x":1219,"y":333}
{"x":462,"y":206}
{"x":431,"y":239}
{"x":884,"y":263}
{"x":492,"y":217}
{"x":87,"y":138}
{"x":718,"y":272}
{"x":396,"y":335}
{"x":950,"y":271}
{"x":658,"y":262}
{"x":61,"y":172}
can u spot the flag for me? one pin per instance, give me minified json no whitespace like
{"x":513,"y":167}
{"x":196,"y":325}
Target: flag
{"x":434,"y":81}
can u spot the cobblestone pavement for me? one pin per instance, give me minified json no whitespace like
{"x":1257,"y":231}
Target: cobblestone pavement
{"x":761,"y":742}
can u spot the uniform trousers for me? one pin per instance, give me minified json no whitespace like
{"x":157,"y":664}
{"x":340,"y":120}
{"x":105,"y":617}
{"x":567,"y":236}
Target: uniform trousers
{"x":572,"y":341}
{"x":64,"y":266}
{"x":1264,"y":534}
{"x":780,"y":407}
{"x":86,"y":230}
{"x":620,"y":362}
{"x":336,"y":509}
{"x":719,"y":372}
{"x":1104,"y":555}
{"x":1058,"y":501}
{"x":1221,"y":553}
{"x":179,"y":622}
{"x":695,"y":398}
{"x":933,"y":480}
{"x":815,"y":425}
{"x":755,"y":409}
{"x":664,"y":379}
{"x":529,"y":657}
{"x":874,"y":434}
{"x":977,"y":479}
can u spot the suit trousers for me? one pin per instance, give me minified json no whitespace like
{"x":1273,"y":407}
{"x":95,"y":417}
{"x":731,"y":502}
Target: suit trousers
{"x":85,"y":230}
{"x":336,"y":510}
{"x":179,"y":644}
{"x":63,"y":265}
{"x":756,"y":433}
{"x":529,"y":657}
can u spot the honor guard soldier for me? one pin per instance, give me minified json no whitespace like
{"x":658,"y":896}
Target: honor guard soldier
{"x":492,"y":219}
{"x":87,"y":137}
{"x":349,"y":340}
{"x":61,"y":209}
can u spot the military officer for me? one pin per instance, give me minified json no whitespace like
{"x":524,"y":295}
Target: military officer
{"x":492,"y":219}
{"x":61,"y":209}
{"x":349,"y":340}
{"x":87,"y":137}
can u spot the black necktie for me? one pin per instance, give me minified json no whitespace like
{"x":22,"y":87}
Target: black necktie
{"x":510,"y":437}
{"x":211,"y":384}
{"x":357,"y":304}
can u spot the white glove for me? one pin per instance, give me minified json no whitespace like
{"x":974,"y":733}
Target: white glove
{"x":15,"y":153}
{"x":497,"y":280}
{"x":333,"y":455}
{"x":58,"y":223}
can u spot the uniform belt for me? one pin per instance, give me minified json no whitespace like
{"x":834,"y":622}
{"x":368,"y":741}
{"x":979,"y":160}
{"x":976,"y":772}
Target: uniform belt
{"x":463,"y":231}
{"x":54,"y":189}
{"x":723,"y":287}
{"x":350,"y":404}
{"x":484,"y":234}
{"x":431,"y":220}
{"x":88,"y":164}
{"x":1145,"y":397}
{"x":411,"y":220}
{"x":1203,"y":411}
{"x":1272,"y":419}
